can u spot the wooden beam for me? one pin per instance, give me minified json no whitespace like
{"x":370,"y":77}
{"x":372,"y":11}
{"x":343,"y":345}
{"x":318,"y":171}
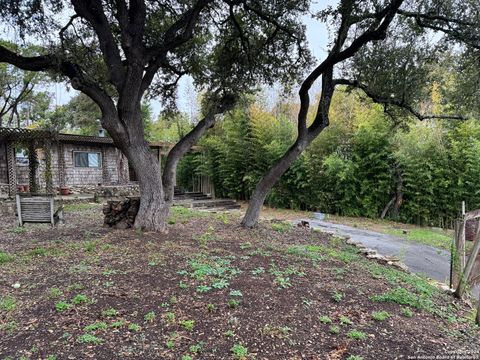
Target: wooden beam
{"x":11,"y":169}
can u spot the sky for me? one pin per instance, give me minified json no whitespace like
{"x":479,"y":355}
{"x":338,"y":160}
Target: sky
{"x":317,"y":36}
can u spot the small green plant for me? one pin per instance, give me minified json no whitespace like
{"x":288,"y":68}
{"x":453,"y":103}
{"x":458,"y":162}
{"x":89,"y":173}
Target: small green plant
{"x":239,"y":351}
{"x":134,"y":327}
{"x":354,"y":357}
{"x":117,"y":324}
{"x":19,"y":230}
{"x":258,"y":270}
{"x":150,"y":316}
{"x":210,"y":307}
{"x":337,"y":296}
{"x":99,"y":325}
{"x":89,"y":339}
{"x":187,"y":324}
{"x":187,"y":357}
{"x":407,"y":312}
{"x":195,"y":349}
{"x":38,"y":251}
{"x":334,"y":329}
{"x":170,"y":316}
{"x":90,"y":245}
{"x":357,"y":335}
{"x":283,"y":281}
{"x":110,"y":312}
{"x":345,"y":321}
{"x":380,"y":315}
{"x":237,"y":293}
{"x":203,"y":289}
{"x":170,"y":343}
{"x":325,"y":320}
{"x":8,"y":304}
{"x":282,"y":226}
{"x":55,"y":292}
{"x":229,"y":333}
{"x":62,"y":306}
{"x":5,"y":258}
{"x":182,"y":285}
{"x":80,"y":299}
{"x":232,"y":303}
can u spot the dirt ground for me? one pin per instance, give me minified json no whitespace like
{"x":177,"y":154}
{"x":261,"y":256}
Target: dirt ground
{"x":210,"y":289}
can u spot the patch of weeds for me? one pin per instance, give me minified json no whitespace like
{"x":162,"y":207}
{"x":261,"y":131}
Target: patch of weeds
{"x":210,"y":307}
{"x":203,"y":289}
{"x":8,"y":303}
{"x":236,"y":293}
{"x":206,"y":237}
{"x":110,"y":312}
{"x":9,"y":327}
{"x":108,"y":284}
{"x":407,"y":312}
{"x":325,"y":319}
{"x":220,"y":284}
{"x":117,"y":324}
{"x":134,"y":327}
{"x":173,"y":300}
{"x":334,"y":329}
{"x":357,"y":335}
{"x":403,"y":296}
{"x":276,"y":331}
{"x":79,"y":268}
{"x":75,"y":286}
{"x":150,"y":316}
{"x":258,"y":271}
{"x":54,"y":292}
{"x":338,"y":272}
{"x":354,"y":357}
{"x":187,"y":324}
{"x":18,"y":230}
{"x":282,"y":226}
{"x":80,"y":299}
{"x":239,"y":352}
{"x":246,"y":245}
{"x":345,"y":321}
{"x":90,"y":245}
{"x":170,"y":343}
{"x":380,"y":315}
{"x":62,"y":306}
{"x":89,"y":339}
{"x":232,"y":303}
{"x":337,"y":296}
{"x":229,"y":333}
{"x":5,"y":258}
{"x":307,"y":302}
{"x":170,"y":316}
{"x":99,"y":325}
{"x":108,"y":272}
{"x":187,"y":357}
{"x":195,"y":349}
{"x":182,"y":285}
{"x":38,"y":251}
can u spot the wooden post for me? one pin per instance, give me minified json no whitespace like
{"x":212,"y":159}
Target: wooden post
{"x":19,"y":210}
{"x":477,"y":319}
{"x":32,"y":167}
{"x":12,"y":169}
{"x":469,"y":266}
{"x":457,"y":262}
{"x":61,"y":164}
{"x":48,"y":168}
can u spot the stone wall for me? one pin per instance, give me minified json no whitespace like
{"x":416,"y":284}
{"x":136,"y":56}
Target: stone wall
{"x":4,"y":190}
{"x":117,"y":191}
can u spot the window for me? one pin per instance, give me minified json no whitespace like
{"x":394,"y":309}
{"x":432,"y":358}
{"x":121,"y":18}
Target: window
{"x":86,"y":159}
{"x":21,"y":155}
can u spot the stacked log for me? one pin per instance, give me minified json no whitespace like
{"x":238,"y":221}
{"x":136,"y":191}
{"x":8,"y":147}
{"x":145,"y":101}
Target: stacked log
{"x":121,"y":214}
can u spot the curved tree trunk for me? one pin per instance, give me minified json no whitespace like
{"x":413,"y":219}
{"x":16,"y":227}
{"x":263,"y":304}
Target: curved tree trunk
{"x":153,"y":211}
{"x":268,"y":181}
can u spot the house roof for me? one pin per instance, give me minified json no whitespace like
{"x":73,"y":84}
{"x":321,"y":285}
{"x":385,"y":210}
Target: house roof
{"x":15,"y":134}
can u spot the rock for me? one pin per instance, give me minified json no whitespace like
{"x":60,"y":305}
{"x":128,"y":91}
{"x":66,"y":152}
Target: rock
{"x":121,"y":214}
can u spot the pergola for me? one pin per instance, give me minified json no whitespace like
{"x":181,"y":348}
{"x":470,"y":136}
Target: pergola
{"x":31,"y":140}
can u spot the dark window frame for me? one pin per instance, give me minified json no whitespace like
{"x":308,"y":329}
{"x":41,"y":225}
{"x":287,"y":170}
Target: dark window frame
{"x":88,"y":165}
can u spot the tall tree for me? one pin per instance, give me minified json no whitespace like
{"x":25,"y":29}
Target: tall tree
{"x":116,"y":52}
{"x":381,"y":48}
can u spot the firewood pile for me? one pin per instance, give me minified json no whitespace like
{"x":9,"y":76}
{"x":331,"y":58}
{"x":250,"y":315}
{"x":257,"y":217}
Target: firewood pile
{"x":121,"y":214}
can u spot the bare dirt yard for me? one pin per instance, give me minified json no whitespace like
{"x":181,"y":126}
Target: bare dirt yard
{"x":210,"y":289}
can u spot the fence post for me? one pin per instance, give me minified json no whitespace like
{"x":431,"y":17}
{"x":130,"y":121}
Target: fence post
{"x":457,"y":262}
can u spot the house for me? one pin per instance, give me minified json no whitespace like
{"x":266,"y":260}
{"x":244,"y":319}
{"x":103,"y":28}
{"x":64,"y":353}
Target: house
{"x":45,"y":161}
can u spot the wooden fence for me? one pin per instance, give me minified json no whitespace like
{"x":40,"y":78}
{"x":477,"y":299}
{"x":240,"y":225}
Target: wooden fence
{"x":465,"y":263}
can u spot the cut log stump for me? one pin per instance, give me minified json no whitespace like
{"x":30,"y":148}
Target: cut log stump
{"x":121,"y":214}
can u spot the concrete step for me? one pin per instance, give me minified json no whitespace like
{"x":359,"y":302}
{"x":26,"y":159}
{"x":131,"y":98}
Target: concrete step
{"x":213,"y":203}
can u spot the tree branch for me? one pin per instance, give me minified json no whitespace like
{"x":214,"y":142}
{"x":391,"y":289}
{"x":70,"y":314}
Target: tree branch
{"x":379,"y":99}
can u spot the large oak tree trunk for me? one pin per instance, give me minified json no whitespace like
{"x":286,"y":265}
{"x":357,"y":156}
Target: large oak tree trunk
{"x":153,"y":211}
{"x":268,"y":181}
